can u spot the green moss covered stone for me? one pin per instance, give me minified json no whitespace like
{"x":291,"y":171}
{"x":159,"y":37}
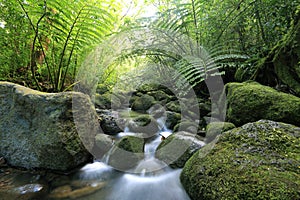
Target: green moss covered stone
{"x":126,"y":153}
{"x":259,"y":160}
{"x":250,"y":101}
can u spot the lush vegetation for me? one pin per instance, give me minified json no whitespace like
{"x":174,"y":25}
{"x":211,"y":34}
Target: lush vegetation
{"x":45,"y":42}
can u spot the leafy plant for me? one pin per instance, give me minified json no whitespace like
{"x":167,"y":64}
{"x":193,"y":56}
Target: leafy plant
{"x":63,"y":30}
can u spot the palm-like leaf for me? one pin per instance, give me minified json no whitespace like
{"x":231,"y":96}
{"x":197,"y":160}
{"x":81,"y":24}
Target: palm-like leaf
{"x":70,"y":27}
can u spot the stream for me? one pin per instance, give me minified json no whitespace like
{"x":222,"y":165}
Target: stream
{"x":151,"y":179}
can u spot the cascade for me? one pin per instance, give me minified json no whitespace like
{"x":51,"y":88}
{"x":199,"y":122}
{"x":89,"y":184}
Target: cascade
{"x":151,"y":179}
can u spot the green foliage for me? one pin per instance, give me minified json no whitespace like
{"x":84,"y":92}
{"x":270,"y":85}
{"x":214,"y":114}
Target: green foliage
{"x":14,"y":52}
{"x":61,"y":34}
{"x":46,"y":41}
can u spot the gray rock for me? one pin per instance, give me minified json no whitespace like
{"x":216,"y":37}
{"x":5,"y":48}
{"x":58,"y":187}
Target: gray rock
{"x":42,"y":130}
{"x":103,"y":143}
{"x":110,"y":122}
{"x":178,"y":148}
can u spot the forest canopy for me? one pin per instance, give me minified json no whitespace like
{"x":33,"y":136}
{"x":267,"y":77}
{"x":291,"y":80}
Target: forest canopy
{"x":44,"y":43}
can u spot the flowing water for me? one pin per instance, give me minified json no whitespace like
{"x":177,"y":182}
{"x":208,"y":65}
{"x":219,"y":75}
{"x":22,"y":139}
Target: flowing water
{"x":152,"y":179}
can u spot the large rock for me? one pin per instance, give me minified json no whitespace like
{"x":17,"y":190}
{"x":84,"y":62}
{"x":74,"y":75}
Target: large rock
{"x":256,"y":161}
{"x":143,"y":103}
{"x":37,"y":130}
{"x":178,"y":148}
{"x":103,"y":143}
{"x":126,"y":153}
{"x":250,"y":101}
{"x":145,"y":124}
{"x":214,"y":129}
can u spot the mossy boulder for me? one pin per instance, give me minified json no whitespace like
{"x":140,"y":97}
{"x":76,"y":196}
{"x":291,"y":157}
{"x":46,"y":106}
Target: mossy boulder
{"x":214,"y":129}
{"x":102,"y":88}
{"x":103,"y":143}
{"x":173,"y":106}
{"x":154,"y":87}
{"x":45,"y":130}
{"x":250,"y":101}
{"x":145,"y":124}
{"x":259,"y":160}
{"x":159,"y":95}
{"x":126,"y":153}
{"x":143,"y":103}
{"x":103,"y":101}
{"x":172,"y":119}
{"x":186,"y":125}
{"x":176,"y":149}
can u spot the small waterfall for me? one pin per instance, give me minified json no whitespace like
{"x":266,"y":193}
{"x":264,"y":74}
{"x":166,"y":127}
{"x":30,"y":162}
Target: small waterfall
{"x":95,"y":171}
{"x":151,"y":179}
{"x":105,"y":158}
{"x":165,"y":186}
{"x":162,"y":124}
{"x":151,"y":146}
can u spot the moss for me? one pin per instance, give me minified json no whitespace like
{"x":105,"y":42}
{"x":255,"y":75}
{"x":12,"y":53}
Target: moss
{"x":173,"y":106}
{"x":143,"y":124}
{"x":250,"y":101}
{"x":131,"y":144}
{"x":256,"y":161}
{"x":188,"y":126}
{"x":143,"y":103}
{"x":103,"y":101}
{"x":127,"y":153}
{"x":215,"y":128}
{"x":102,"y":88}
{"x":178,"y":148}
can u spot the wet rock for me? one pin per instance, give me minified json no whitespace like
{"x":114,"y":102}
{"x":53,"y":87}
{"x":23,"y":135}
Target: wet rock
{"x":178,"y":148}
{"x":250,"y":101}
{"x":160,"y":96}
{"x":172,"y":119}
{"x":173,"y":106}
{"x":126,"y":153}
{"x":143,"y":103}
{"x":103,"y":101}
{"x":40,"y":130}
{"x":103,"y":144}
{"x":67,"y":191}
{"x":214,"y":129}
{"x":157,"y":111}
{"x":256,"y":161}
{"x":24,"y":192}
{"x":154,"y":87}
{"x":143,"y":124}
{"x":187,"y":126}
{"x":110,"y":122}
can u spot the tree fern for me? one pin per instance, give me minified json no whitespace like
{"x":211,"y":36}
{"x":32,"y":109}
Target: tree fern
{"x":69,"y":27}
